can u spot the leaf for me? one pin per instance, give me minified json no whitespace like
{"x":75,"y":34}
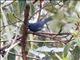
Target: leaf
{"x":32,"y":9}
{"x":77,"y":42}
{"x":11,"y":18}
{"x":76,"y":53}
{"x":15,"y":9}
{"x":22,"y":4}
{"x":51,"y":8}
{"x":71,"y":6}
{"x":66,"y":49}
{"x":0,"y":15}
{"x":59,"y":15}
{"x":11,"y":56}
{"x":56,"y":25}
{"x":58,"y":56}
{"x":71,"y":19}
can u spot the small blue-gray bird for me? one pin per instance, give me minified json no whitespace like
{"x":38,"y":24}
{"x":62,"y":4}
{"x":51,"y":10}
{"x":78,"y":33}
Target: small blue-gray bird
{"x":34,"y":27}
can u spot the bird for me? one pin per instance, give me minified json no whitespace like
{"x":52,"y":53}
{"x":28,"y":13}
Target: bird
{"x":38,"y":26}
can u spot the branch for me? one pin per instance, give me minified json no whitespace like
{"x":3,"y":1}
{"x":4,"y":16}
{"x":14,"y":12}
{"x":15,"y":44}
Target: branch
{"x":24,"y":32}
{"x":46,"y":33}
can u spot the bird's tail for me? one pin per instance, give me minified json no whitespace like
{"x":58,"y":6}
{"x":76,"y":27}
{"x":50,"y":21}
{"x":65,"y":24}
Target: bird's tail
{"x":47,"y":19}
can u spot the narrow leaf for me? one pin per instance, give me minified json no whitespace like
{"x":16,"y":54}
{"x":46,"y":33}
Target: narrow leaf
{"x":22,"y":4}
{"x":11,"y":56}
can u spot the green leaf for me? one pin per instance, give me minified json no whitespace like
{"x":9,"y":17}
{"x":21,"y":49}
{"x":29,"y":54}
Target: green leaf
{"x":0,"y":15}
{"x":77,"y":42}
{"x":76,"y":53}
{"x":59,"y":15}
{"x":11,"y":56}
{"x":11,"y":18}
{"x":71,"y":19}
{"x":66,"y":49}
{"x":22,"y":4}
{"x":51,"y":8}
{"x":16,"y":9}
{"x":71,"y":6}
{"x":32,"y":9}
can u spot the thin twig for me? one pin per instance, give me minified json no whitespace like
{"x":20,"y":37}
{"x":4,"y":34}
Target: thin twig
{"x":48,"y":33}
{"x":38,"y":41}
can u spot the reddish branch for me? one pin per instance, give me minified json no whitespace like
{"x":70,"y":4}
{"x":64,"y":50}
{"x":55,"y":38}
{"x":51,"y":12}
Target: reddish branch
{"x":46,"y":33}
{"x":24,"y":32}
